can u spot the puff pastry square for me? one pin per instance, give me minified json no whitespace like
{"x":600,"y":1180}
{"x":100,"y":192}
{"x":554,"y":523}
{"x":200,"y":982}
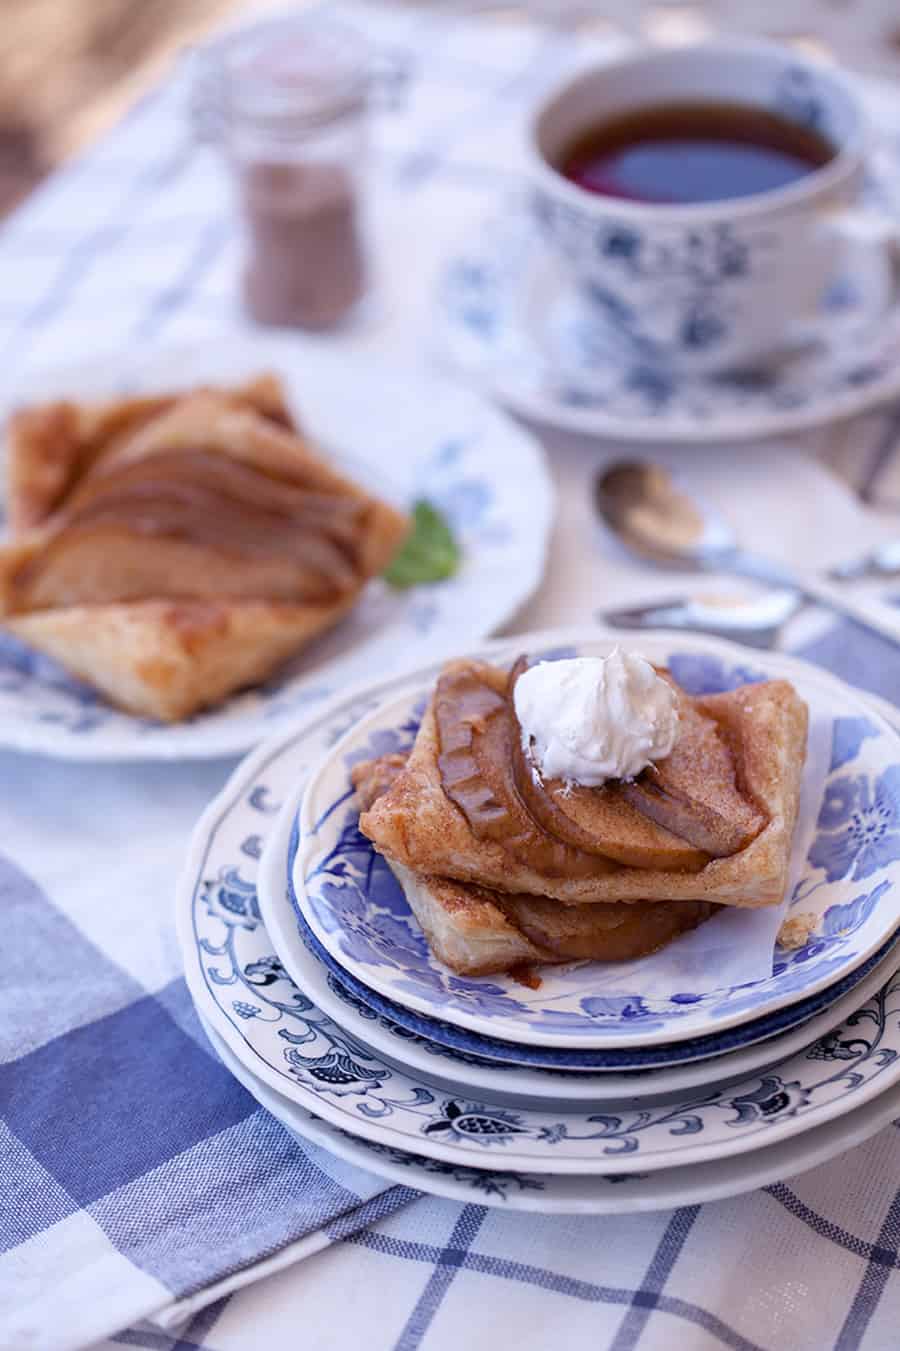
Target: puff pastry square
{"x":171,"y":551}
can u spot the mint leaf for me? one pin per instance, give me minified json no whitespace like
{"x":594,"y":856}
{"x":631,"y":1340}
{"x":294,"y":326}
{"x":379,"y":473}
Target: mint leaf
{"x":428,"y":554}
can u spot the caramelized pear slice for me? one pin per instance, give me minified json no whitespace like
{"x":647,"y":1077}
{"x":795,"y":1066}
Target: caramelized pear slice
{"x":476,"y":732}
{"x":195,"y":525}
{"x":694,"y":792}
{"x":607,"y":933}
{"x":597,"y":820}
{"x":109,"y":563}
{"x":623,"y":832}
{"x":463,"y":707}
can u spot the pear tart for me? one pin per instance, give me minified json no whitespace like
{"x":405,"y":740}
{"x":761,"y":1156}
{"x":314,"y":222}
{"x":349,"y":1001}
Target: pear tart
{"x":194,"y":543}
{"x":713,"y":822}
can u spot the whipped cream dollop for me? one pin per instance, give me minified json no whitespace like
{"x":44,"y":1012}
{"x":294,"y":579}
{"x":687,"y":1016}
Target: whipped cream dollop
{"x":589,"y":719}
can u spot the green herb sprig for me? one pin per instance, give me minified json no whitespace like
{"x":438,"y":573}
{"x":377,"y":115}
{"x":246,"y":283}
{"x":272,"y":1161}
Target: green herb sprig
{"x":428,"y":554}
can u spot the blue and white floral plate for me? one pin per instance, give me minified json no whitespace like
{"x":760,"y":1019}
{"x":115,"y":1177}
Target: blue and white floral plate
{"x":402,"y":431}
{"x":692,"y":1051}
{"x":350,"y":900}
{"x":506,"y":318}
{"x":452,"y":1056}
{"x":575,"y":1194}
{"x":243,"y":991}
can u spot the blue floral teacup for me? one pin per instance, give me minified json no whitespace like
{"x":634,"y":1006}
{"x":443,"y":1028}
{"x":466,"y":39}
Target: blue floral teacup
{"x":716,"y":285}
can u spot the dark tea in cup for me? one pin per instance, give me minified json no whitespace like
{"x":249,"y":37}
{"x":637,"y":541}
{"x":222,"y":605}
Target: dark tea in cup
{"x":699,"y":202}
{"x":690,"y":153}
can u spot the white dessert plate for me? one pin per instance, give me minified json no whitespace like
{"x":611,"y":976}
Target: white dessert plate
{"x":404,"y":433}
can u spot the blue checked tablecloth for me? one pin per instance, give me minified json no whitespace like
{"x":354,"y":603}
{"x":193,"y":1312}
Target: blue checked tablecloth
{"x":140,"y":1187}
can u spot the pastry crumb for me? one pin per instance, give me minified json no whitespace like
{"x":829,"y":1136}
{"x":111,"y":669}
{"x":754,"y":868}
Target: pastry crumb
{"x":795,"y":932}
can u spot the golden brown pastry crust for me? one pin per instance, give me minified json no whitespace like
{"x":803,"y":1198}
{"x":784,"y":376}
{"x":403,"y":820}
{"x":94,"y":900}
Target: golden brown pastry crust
{"x":169,"y":659}
{"x":169,"y":656}
{"x":465,"y":928}
{"x":479,"y":932}
{"x":416,"y":825}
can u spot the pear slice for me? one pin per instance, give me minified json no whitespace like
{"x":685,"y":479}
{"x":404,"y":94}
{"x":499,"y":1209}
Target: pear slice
{"x":597,"y":820}
{"x":694,"y":791}
{"x":615,"y":932}
{"x":189,"y":524}
{"x":476,"y":734}
{"x":623,"y":832}
{"x":110,"y":563}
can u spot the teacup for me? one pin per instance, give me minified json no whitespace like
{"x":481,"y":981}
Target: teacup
{"x":717,"y":285}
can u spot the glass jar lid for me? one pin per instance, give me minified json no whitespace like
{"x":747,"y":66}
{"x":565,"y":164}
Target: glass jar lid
{"x":290,"y":73}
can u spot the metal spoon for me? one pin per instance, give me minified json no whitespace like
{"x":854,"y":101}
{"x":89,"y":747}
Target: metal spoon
{"x":753,"y":620}
{"x":657,"y":520}
{"x":881,"y":562}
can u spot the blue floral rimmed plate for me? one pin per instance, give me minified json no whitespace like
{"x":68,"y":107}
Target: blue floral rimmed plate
{"x":441,"y":1052}
{"x":404,"y":432}
{"x":575,"y":1194}
{"x":349,"y":899}
{"x":505,"y":316}
{"x":466,"y":1042}
{"x":242,"y":990}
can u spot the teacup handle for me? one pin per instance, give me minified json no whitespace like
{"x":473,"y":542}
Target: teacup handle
{"x":873,"y":238}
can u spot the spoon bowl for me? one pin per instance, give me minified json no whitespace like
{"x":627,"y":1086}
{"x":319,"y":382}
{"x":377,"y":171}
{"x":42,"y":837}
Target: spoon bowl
{"x":642,"y":505}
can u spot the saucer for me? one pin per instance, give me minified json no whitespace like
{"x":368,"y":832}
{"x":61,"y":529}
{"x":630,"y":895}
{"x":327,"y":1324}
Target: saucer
{"x":508,"y":318}
{"x":846,"y":861}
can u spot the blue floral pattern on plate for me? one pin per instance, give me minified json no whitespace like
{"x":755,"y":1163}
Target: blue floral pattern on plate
{"x":421,"y":1043}
{"x":463,"y":1044}
{"x":241,"y":987}
{"x":509,"y":320}
{"x":485,"y":472}
{"x":355,"y":908}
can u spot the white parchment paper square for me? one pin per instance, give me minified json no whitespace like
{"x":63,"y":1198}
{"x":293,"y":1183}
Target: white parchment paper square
{"x":736,"y":946}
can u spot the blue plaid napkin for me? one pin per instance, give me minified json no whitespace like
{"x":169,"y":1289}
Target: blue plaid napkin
{"x":134,"y":1170}
{"x":136,"y":1173}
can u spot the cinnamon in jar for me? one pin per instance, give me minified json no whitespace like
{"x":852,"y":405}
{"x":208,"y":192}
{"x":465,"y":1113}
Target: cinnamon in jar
{"x":291,"y":99}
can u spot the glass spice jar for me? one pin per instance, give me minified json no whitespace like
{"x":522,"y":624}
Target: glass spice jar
{"x":291,"y":99}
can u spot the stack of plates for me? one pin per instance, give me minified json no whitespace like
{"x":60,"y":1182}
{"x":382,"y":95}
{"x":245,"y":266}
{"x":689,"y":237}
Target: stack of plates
{"x":590,"y":1093}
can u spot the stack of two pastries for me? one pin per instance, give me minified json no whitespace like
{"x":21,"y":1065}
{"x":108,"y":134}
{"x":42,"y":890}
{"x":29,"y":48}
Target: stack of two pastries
{"x":503,"y":869}
{"x":172,"y":549}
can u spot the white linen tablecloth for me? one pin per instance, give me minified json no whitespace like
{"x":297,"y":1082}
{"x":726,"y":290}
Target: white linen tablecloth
{"x":142,"y":1213}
